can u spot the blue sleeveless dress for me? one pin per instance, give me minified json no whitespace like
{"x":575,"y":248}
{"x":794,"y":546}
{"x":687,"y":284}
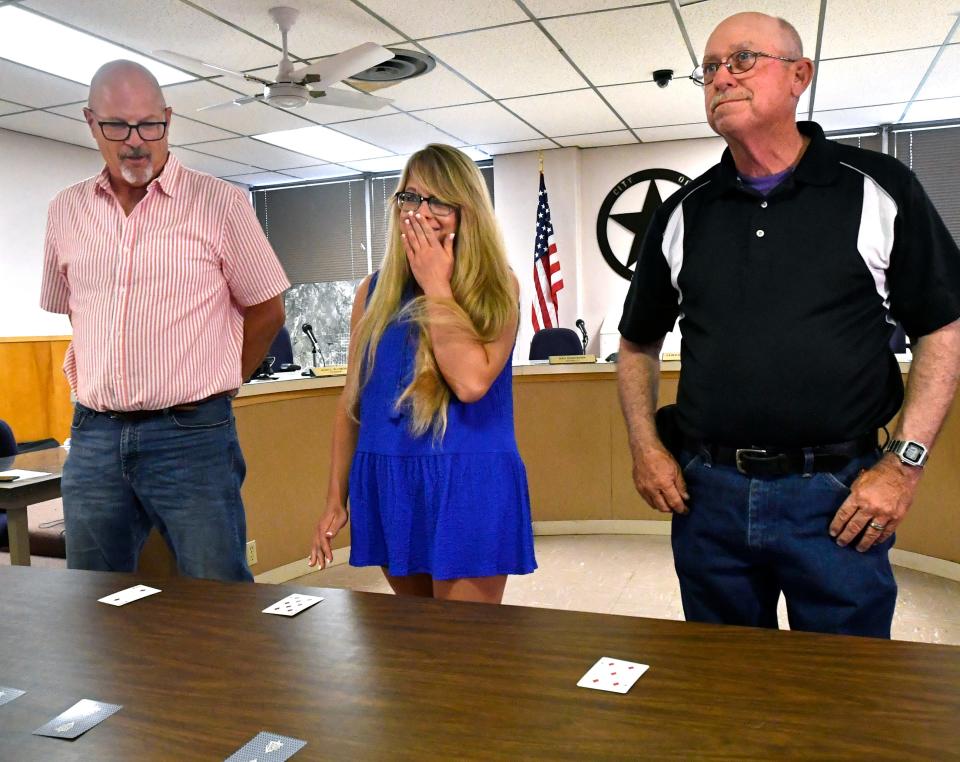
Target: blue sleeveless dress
{"x":451,"y":509}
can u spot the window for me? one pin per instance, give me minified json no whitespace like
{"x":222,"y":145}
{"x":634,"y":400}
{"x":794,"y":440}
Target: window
{"x":934,"y":155}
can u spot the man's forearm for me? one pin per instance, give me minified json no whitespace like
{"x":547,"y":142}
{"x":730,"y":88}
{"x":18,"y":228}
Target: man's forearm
{"x":638,"y":380}
{"x":261,"y":322}
{"x":931,"y":386}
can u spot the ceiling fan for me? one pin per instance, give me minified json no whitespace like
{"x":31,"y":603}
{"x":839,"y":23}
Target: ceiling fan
{"x":292,"y":88}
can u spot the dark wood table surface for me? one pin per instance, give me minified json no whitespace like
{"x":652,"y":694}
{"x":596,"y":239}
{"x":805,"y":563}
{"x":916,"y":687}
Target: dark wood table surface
{"x":16,"y":496}
{"x":200,"y":670}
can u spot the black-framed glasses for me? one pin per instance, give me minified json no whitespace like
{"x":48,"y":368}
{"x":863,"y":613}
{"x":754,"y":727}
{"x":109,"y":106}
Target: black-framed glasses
{"x":408,"y":201}
{"x":120,"y":131}
{"x":736,"y":63}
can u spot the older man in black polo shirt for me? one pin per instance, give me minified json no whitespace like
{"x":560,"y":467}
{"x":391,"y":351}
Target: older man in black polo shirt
{"x":788,"y":264}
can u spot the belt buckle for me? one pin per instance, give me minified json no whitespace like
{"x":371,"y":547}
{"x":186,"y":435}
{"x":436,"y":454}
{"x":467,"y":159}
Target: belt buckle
{"x":738,"y":457}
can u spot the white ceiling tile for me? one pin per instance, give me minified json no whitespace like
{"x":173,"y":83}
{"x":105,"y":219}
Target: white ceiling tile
{"x":854,"y":27}
{"x":249,"y":119}
{"x":840,"y":84}
{"x":702,"y":18}
{"x":385,"y":164}
{"x":261,"y":178}
{"x":933,"y":110}
{"x":212,"y":165}
{"x":162,"y":24}
{"x":495,"y":149}
{"x":623,"y":46}
{"x":646,"y":105}
{"x":257,"y":153}
{"x":425,"y":19}
{"x":849,"y":118}
{"x":678,"y":132}
{"x":324,"y":144}
{"x":593,"y":140}
{"x":399,"y":133}
{"x":440,"y":87}
{"x":567,"y":113}
{"x":320,"y":172}
{"x":558,"y":7}
{"x":324,"y":27}
{"x":943,"y":81}
{"x":21,"y":84}
{"x":507,"y":61}
{"x":11,"y":108}
{"x":479,"y":123}
{"x":48,"y":125}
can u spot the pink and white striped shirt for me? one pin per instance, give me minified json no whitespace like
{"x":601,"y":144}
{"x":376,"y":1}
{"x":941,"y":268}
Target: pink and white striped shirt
{"x":157,"y":298}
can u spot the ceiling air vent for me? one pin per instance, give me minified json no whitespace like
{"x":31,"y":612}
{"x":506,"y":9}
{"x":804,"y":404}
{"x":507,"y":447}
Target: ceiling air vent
{"x":405,"y":64}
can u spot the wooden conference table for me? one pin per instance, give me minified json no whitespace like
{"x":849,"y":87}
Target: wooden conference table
{"x":16,"y":496}
{"x":199,"y":671}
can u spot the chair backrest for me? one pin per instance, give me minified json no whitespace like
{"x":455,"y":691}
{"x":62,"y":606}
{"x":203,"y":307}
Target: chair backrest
{"x":8,"y":442}
{"x":281,"y":350}
{"x":555,"y":341}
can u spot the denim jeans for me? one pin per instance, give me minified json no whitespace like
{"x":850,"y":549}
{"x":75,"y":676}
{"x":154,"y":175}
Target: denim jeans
{"x":180,"y":471}
{"x":746,"y":539}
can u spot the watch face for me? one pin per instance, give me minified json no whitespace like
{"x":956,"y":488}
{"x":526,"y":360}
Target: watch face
{"x":913,"y":452}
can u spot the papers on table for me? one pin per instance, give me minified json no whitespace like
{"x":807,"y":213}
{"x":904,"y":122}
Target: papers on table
{"x":22,"y":475}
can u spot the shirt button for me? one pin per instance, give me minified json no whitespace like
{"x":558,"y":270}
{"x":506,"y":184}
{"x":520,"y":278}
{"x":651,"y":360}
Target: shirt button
{"x":760,"y":234}
{"x":763,"y":204}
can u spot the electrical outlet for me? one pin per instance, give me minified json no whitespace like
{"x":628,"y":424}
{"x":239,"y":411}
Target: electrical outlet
{"x":251,"y":552}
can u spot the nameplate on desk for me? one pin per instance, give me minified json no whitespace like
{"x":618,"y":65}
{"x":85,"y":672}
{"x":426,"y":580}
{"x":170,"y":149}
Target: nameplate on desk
{"x":670,"y":357}
{"x":329,"y":370}
{"x":564,"y":359}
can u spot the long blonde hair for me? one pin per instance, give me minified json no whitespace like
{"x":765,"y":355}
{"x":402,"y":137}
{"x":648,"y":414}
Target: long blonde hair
{"x":483,"y":295}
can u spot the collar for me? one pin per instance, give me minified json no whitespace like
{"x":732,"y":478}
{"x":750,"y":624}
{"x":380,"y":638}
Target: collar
{"x":167,"y":181}
{"x":819,"y":164}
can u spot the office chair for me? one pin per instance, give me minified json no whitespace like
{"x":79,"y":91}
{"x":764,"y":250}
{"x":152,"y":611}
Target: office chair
{"x":8,"y":451}
{"x":281,"y":350}
{"x":555,"y":341}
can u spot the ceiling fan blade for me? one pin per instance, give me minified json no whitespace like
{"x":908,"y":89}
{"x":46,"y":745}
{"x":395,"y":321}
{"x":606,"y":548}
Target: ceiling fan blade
{"x":237,"y":102}
{"x":193,"y":64}
{"x":348,"y":99}
{"x":343,"y":65}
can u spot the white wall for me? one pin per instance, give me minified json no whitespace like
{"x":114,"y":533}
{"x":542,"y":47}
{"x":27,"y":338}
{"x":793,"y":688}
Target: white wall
{"x":32,"y":171}
{"x":578,"y":180}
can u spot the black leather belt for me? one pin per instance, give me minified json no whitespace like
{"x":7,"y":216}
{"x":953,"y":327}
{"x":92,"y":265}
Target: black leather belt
{"x":780,"y":461}
{"x":143,"y":415}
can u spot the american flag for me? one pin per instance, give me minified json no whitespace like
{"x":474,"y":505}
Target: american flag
{"x":547,"y":280}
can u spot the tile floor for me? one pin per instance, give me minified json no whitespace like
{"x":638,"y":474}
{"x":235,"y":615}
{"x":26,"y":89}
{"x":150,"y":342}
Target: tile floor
{"x":633,"y":575}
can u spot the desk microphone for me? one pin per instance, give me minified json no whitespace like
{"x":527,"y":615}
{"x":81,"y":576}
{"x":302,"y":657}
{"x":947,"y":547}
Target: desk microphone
{"x":583,"y":332}
{"x":308,"y":330}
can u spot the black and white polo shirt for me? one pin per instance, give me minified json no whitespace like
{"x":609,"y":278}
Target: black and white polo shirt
{"x":787,"y":302}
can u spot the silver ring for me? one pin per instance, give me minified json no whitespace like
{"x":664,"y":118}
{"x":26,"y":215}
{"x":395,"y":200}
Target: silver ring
{"x":876,"y":525}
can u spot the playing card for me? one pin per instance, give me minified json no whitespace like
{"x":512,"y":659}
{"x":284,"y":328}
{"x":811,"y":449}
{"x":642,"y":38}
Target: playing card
{"x":267,"y":747}
{"x":77,"y":720}
{"x":129,"y":595}
{"x":614,"y":675}
{"x":292,"y":604}
{"x":9,"y":694}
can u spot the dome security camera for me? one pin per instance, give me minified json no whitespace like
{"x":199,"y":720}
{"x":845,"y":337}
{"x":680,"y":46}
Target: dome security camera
{"x":662,"y":77}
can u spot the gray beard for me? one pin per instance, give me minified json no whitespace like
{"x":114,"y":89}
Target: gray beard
{"x":136,"y":178}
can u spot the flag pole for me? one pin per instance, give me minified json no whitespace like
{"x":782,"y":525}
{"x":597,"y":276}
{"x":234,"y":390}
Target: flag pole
{"x":540,"y":159}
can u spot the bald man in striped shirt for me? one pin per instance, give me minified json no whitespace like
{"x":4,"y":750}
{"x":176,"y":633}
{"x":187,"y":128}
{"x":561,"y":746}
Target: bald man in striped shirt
{"x":174,"y":295}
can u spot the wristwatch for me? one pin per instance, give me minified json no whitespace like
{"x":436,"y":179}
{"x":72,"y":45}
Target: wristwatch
{"x":910,"y":453}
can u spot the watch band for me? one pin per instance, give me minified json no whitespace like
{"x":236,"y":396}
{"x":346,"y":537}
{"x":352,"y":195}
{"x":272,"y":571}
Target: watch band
{"x":909,"y":452}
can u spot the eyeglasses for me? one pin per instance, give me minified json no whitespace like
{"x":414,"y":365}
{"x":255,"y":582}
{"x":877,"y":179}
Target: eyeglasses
{"x":408,"y":201}
{"x":736,"y":63}
{"x":120,"y":131}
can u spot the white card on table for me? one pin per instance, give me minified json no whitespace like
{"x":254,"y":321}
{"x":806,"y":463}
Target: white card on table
{"x":22,"y":475}
{"x":614,"y":675}
{"x":131,"y":594}
{"x":292,"y":604}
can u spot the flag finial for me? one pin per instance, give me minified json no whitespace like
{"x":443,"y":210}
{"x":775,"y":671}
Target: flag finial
{"x":540,"y":159}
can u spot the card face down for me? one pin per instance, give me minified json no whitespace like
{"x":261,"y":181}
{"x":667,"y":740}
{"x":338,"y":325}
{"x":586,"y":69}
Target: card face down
{"x":131,"y":594}
{"x":9,"y":694}
{"x":267,"y":747}
{"x":292,"y":604}
{"x":614,"y":675}
{"x":77,"y":720}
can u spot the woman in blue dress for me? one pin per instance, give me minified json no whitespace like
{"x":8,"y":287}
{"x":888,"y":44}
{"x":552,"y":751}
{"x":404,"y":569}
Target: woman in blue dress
{"x":423,"y":439}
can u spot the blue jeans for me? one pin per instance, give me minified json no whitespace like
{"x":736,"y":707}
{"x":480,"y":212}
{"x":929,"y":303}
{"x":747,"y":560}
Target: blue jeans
{"x":746,"y":539}
{"x":180,"y":471}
